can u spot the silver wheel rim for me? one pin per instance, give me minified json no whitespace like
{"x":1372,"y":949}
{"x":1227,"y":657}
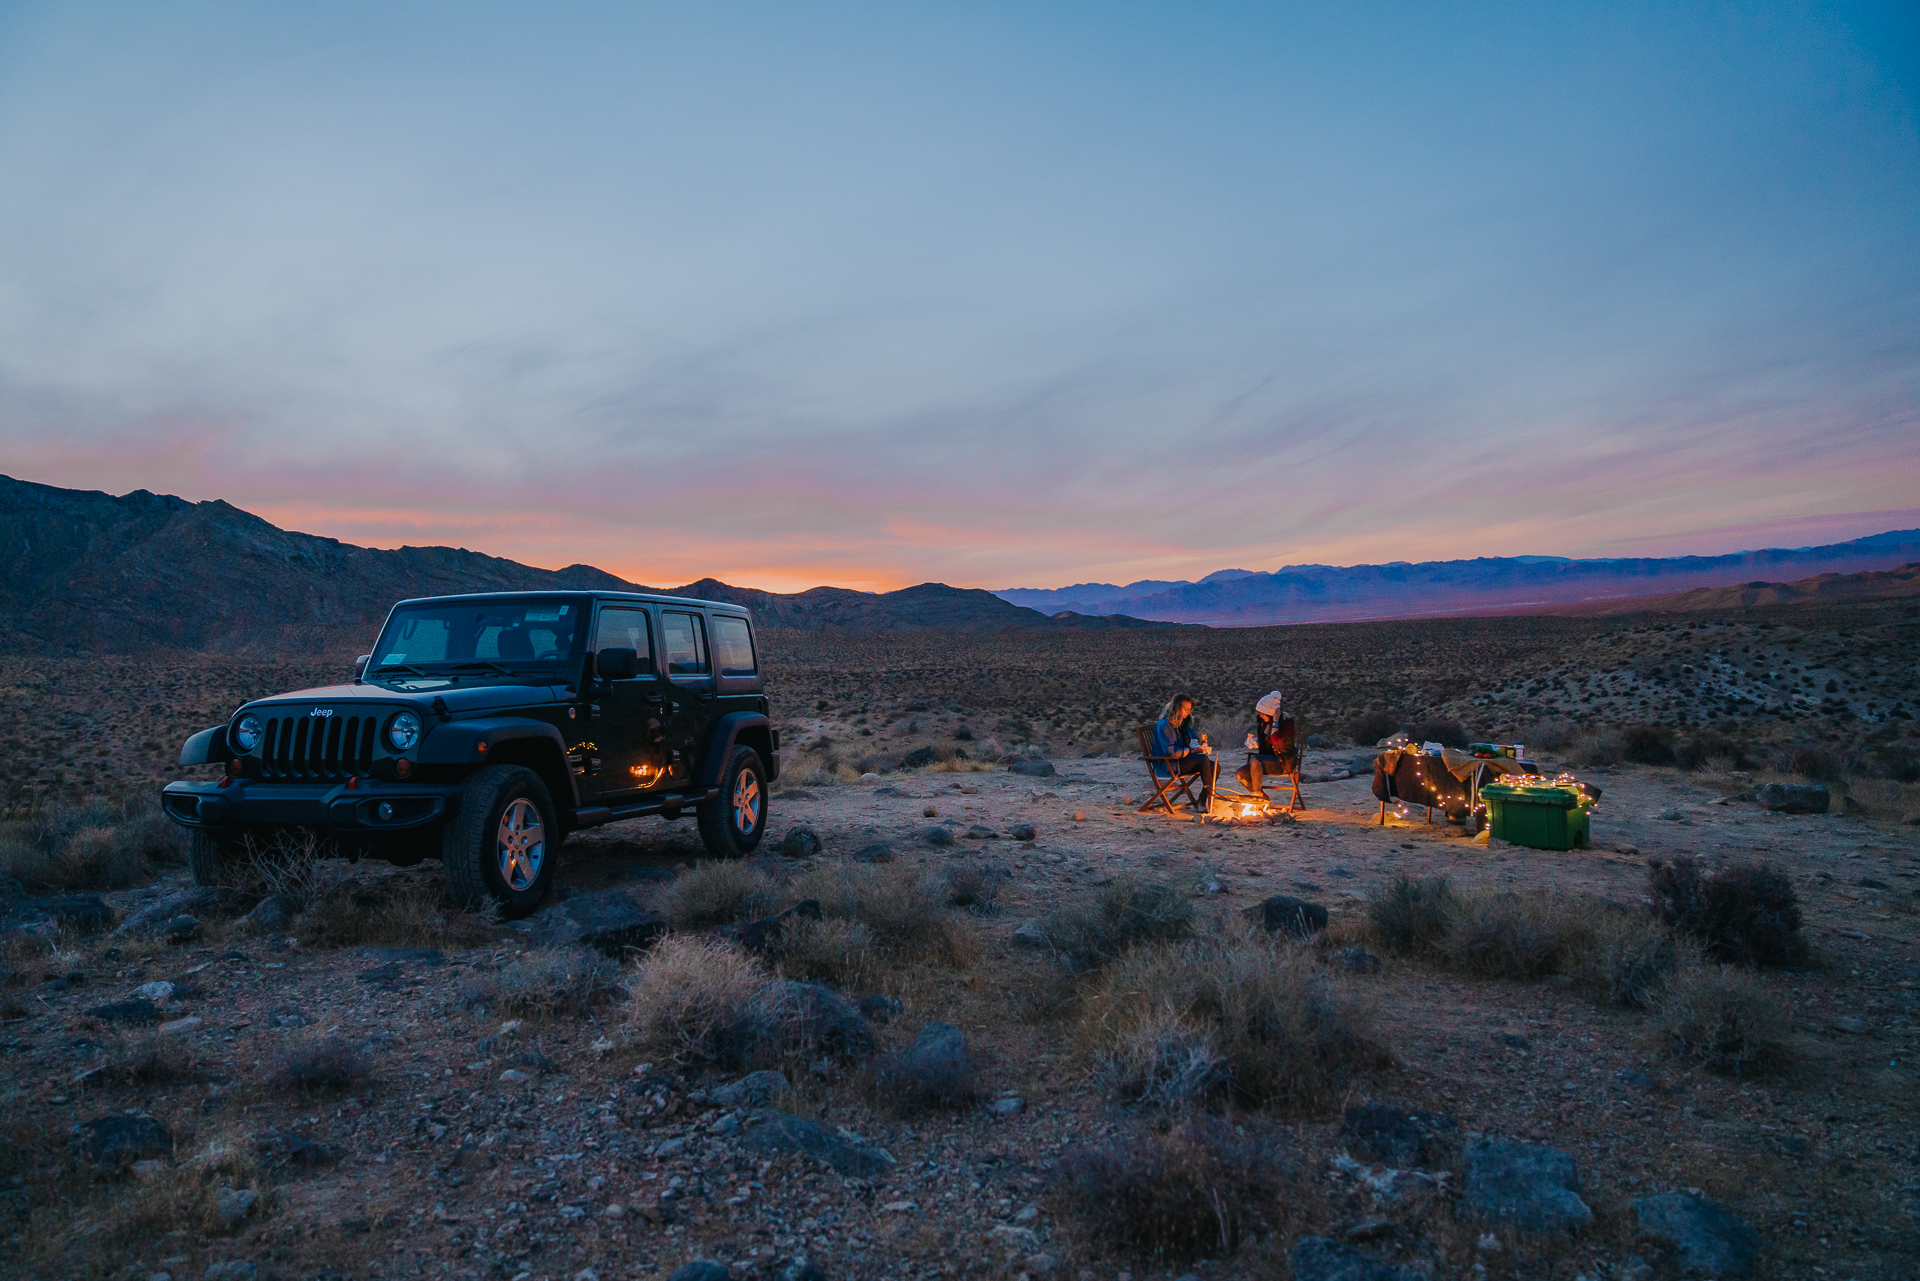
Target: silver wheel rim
{"x":746,"y":803}
{"x":521,"y":845}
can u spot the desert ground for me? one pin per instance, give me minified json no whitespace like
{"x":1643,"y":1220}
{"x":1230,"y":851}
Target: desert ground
{"x":375,"y":1085}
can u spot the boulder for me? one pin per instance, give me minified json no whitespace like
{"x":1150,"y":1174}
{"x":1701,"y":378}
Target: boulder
{"x":1319,"y":742}
{"x":800,"y":841}
{"x":937,"y":835}
{"x":935,"y":1071}
{"x":118,"y":1140}
{"x":233,"y":1205}
{"x":829,"y":1018}
{"x":919,"y":758}
{"x":203,"y":900}
{"x":1321,"y":1259}
{"x":770,"y":1132}
{"x":1530,"y":1186}
{"x":1397,"y":1136}
{"x":1705,"y":1235}
{"x":1022,"y":832}
{"x":181,"y":929}
{"x":879,"y":1009}
{"x":138,"y":1012}
{"x":760,"y":935}
{"x":1356,"y":960}
{"x":1295,"y":917}
{"x":1030,"y":934}
{"x":756,"y":1089}
{"x":1033,"y":768}
{"x":271,"y":915}
{"x":608,"y":921}
{"x":81,"y":913}
{"x":977,"y":832}
{"x":1793,"y":798}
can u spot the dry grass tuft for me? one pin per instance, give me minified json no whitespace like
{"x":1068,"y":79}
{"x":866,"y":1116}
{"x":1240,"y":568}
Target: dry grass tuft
{"x":829,"y":950}
{"x":1723,"y":1021}
{"x":1513,"y":936}
{"x":1200,"y":1190}
{"x":900,"y":906}
{"x":546,"y":984}
{"x":1123,"y":915}
{"x":702,"y":999}
{"x":1741,"y":913}
{"x":146,"y":1058}
{"x":320,"y":1066}
{"x":720,"y":893}
{"x":1244,"y":1020}
{"x":402,"y":910}
{"x":98,"y":845}
{"x":1412,"y":915}
{"x":973,"y":885}
{"x":1624,"y":960}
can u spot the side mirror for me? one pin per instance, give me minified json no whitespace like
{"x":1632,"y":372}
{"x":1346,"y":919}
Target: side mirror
{"x":360,"y":665}
{"x":617,"y":664}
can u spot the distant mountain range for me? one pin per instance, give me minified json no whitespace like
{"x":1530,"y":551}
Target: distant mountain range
{"x":1486,"y":585}
{"x":1821,"y":589}
{"x":85,"y":572}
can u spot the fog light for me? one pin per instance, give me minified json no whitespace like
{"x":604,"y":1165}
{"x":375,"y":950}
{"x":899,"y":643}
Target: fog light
{"x":236,"y":766}
{"x":384,"y":810}
{"x":402,"y":767}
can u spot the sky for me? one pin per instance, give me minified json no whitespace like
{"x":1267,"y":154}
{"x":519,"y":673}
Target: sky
{"x":993,"y":294}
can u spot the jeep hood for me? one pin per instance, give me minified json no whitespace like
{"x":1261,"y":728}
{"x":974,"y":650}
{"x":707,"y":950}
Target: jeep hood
{"x":457,"y":699}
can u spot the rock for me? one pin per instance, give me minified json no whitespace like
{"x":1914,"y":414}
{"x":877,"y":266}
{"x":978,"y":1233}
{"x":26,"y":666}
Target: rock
{"x":1294,"y":917}
{"x":980,"y":833}
{"x":935,"y":1071}
{"x":1531,"y":1186}
{"x":179,"y":1027}
{"x":138,"y":1012}
{"x":879,"y":1009}
{"x":1319,"y":742}
{"x":1042,"y":1264}
{"x":1033,"y":768}
{"x":117,"y":1141}
{"x":937,"y":835}
{"x":608,"y":921}
{"x":80,"y":913}
{"x":800,"y":841}
{"x":156,"y":917}
{"x":271,"y":915}
{"x":919,"y":758}
{"x":1357,"y":961}
{"x":1673,"y":815}
{"x":1022,"y":832}
{"x":513,"y":1076}
{"x":1910,"y":820}
{"x":181,"y":929}
{"x":830,"y":1018}
{"x":231,"y":1205}
{"x":879,"y":852}
{"x":1849,"y":1024}
{"x":802,"y":1269}
{"x":1638,"y":1079}
{"x":1395,"y":1135}
{"x":283,"y":1147}
{"x":760,"y":935}
{"x":1321,"y":1259}
{"x":1707,"y":1237}
{"x":159,"y":992}
{"x":701,"y":1270}
{"x":1031,"y":935}
{"x":1009,"y":1106}
{"x":1793,"y":798}
{"x":231,"y":1270}
{"x":774,"y":1133}
{"x":756,"y":1089}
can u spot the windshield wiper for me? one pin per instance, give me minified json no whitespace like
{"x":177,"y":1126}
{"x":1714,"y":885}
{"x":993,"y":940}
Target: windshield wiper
{"x":487,"y":663}
{"x":396,"y":667}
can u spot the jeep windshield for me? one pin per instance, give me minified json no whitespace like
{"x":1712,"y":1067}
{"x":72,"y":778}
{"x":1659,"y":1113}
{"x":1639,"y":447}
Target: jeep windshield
{"x":478,"y":639}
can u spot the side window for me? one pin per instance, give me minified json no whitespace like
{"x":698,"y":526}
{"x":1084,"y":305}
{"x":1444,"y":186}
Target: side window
{"x":623,"y":629}
{"x":733,"y":646}
{"x":685,"y":642}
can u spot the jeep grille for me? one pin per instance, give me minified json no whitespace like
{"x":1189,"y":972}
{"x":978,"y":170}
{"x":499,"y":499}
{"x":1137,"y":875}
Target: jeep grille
{"x":317,"y":747}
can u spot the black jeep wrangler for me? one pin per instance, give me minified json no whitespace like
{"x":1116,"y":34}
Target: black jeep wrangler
{"x":484,"y":729}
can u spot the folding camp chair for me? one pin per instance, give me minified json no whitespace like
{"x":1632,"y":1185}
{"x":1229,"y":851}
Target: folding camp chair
{"x":1164,"y":789}
{"x":1287,"y":777}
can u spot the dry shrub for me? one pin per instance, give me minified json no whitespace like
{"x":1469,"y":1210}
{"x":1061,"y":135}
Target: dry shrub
{"x":1200,"y":1190}
{"x":147,"y":1058}
{"x":1280,"y":1031}
{"x":830,"y":950}
{"x":568,"y":981}
{"x":926,"y":1076}
{"x":1370,"y":727}
{"x":1411,"y":915}
{"x":1741,"y":913}
{"x":1723,"y":1021}
{"x":183,"y":1196}
{"x":1448,"y":733}
{"x":1606,"y":748}
{"x":97,"y":845}
{"x":396,"y":911}
{"x":972,"y":884}
{"x":1625,"y":960}
{"x":295,"y":865}
{"x":702,"y":998}
{"x":1124,"y":914}
{"x":719,"y":893}
{"x":900,"y":906}
{"x":1513,"y":936}
{"x":319,"y":1066}
{"x":1548,"y":735}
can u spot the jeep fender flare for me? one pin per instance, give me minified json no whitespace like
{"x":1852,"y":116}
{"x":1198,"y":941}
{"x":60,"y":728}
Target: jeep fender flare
{"x":504,"y":740}
{"x":750,"y":729}
{"x":208,"y":747}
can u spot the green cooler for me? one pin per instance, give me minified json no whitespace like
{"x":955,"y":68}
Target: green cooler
{"x":1540,"y":817}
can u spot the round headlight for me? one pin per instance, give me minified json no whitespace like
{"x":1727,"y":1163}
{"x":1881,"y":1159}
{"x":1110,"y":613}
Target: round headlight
{"x":246,"y":732}
{"x":403,"y":731}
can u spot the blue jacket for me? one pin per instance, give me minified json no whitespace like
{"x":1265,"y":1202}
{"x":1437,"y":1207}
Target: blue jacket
{"x":1168,"y":741}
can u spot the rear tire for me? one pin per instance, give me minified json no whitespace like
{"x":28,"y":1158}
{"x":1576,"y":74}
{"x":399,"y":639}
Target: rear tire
{"x":732,"y":823}
{"x":214,"y":861}
{"x":502,"y":846}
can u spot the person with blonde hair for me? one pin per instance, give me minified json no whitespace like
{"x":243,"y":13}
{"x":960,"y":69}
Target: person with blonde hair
{"x":1188,"y":751}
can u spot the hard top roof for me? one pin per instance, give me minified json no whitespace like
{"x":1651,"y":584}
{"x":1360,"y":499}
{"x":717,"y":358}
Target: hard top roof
{"x":650,"y":598}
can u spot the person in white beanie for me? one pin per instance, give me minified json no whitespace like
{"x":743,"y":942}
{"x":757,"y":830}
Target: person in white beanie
{"x":1272,"y":745}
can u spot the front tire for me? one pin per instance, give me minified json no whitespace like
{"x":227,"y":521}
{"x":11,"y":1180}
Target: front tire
{"x":732,"y":823}
{"x":214,"y":861}
{"x":502,"y":846}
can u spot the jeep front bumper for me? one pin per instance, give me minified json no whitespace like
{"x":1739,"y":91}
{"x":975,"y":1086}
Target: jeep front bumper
{"x":369,"y":806}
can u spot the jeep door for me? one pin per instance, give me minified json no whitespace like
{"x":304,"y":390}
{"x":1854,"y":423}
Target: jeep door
{"x":627,"y":736}
{"x":683,"y":644}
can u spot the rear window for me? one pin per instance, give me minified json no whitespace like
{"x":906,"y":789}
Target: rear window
{"x":733,"y":646}
{"x":685,"y":642}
